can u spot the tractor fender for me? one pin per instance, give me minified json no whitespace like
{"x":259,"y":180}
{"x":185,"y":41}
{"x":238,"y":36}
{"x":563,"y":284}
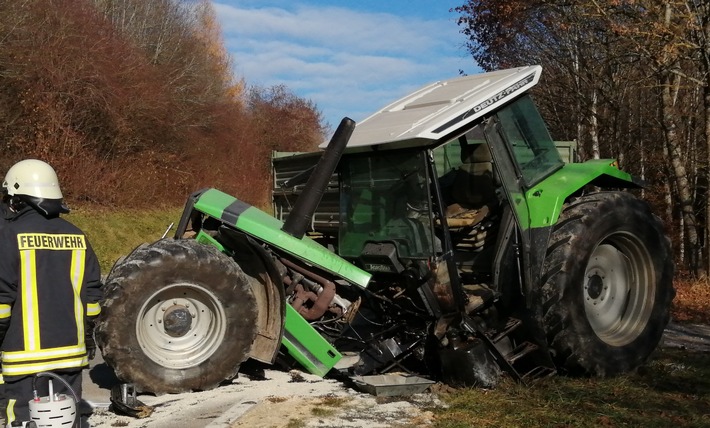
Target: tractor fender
{"x":268,"y":289}
{"x":547,"y":198}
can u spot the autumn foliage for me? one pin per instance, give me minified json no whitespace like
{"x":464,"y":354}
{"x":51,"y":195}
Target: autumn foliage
{"x":135,"y":104}
{"x":692,"y":301}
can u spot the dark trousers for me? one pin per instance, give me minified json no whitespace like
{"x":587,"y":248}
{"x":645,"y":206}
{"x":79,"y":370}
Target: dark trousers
{"x":18,"y":392}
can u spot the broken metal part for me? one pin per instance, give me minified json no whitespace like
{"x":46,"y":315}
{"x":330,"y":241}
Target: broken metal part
{"x":470,"y":365}
{"x":124,"y":402}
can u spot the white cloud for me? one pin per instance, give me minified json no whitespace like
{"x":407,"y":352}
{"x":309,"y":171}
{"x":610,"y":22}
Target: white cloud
{"x":348,"y":62}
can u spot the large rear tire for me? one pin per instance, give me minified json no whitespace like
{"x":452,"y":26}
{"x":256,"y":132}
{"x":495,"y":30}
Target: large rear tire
{"x":608,"y":284}
{"x":177,"y":316}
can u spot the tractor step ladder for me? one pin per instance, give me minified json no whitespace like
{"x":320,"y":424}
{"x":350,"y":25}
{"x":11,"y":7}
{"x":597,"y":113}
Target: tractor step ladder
{"x":510,"y":325}
{"x":523,"y":352}
{"x":520,"y":351}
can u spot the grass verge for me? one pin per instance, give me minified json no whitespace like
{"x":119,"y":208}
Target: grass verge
{"x":114,"y":234}
{"x":673,"y":389}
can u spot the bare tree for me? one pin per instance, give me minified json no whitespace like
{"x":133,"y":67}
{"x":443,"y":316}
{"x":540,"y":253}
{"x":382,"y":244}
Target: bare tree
{"x":620,"y":76}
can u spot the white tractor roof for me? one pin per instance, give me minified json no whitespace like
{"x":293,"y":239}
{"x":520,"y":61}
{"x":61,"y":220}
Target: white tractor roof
{"x":438,"y":109}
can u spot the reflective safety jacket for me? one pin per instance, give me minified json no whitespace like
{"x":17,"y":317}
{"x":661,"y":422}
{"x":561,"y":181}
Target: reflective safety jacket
{"x":50,"y":288}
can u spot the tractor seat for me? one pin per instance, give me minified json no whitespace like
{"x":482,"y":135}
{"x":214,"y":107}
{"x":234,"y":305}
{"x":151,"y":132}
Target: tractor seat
{"x":474,"y":189}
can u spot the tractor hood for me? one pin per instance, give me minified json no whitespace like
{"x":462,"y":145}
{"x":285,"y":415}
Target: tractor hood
{"x":266,"y":228}
{"x":434,"y":112}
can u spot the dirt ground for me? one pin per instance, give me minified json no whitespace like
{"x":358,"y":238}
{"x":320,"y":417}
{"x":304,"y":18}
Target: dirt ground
{"x":280,"y":399}
{"x":695,"y":337}
{"x":296,"y":399}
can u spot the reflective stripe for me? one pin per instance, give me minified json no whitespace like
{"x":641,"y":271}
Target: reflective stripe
{"x":66,"y":351}
{"x":30,"y":312}
{"x":31,"y":368}
{"x":10,"y":411}
{"x":93,"y":309}
{"x":77,"y":278}
{"x":5,"y":311}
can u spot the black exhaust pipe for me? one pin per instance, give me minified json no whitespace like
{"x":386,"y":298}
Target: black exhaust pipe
{"x":300,"y":217}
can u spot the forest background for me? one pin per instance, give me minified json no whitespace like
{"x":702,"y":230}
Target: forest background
{"x":136,"y":105}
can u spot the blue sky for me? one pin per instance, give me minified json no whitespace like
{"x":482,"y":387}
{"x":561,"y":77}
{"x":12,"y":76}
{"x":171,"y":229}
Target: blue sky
{"x":348,"y":57}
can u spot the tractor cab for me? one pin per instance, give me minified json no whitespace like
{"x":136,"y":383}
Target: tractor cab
{"x":438,"y":203}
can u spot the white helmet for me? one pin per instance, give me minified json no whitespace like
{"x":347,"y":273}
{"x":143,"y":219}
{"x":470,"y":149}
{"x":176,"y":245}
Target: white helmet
{"x":32,"y":177}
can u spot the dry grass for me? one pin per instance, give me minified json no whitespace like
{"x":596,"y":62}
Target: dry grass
{"x":692,"y":301}
{"x":672,"y":390}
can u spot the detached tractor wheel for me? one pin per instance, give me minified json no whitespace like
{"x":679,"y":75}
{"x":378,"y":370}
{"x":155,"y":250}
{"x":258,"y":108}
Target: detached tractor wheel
{"x":608,"y":289}
{"x":177,"y":316}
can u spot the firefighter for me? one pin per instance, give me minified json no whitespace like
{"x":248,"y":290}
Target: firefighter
{"x":50,"y":288}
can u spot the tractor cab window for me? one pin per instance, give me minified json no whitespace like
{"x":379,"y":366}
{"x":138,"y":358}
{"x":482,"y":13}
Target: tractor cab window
{"x":385,"y":201}
{"x":532,"y":147}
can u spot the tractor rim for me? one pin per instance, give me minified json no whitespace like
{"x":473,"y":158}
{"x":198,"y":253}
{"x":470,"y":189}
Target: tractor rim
{"x":619,"y":288}
{"x":181,"y":325}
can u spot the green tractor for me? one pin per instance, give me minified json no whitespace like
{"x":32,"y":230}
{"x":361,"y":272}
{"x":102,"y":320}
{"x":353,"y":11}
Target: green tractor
{"x":462,"y":247}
